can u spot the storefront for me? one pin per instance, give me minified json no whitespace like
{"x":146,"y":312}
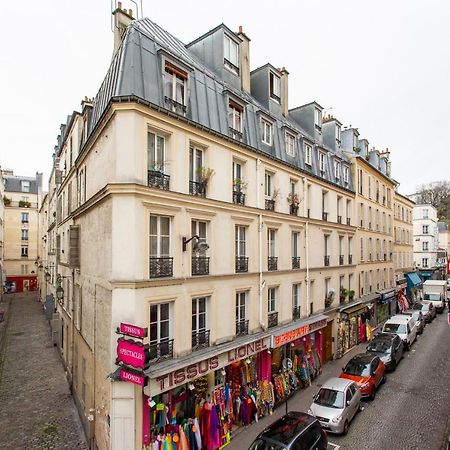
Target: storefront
{"x":401,"y":302}
{"x":413,"y":286}
{"x":385,"y":304}
{"x":20,"y":283}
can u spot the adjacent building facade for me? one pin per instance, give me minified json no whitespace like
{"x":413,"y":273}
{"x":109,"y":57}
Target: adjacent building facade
{"x":2,"y":224}
{"x":426,"y":237}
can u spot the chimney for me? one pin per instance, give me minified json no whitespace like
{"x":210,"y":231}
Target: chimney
{"x":244,"y":50}
{"x":122,"y":18}
{"x":284,"y":91}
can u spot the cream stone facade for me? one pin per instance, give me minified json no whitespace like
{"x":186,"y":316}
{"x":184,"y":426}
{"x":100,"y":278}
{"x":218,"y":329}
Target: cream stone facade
{"x":426,"y":236}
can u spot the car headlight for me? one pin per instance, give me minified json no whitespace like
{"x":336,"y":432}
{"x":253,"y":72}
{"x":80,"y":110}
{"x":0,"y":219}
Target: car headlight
{"x":364,"y":385}
{"x":335,"y":419}
{"x":310,"y":412}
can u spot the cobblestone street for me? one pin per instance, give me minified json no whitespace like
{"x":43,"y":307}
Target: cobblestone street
{"x":36,"y":407}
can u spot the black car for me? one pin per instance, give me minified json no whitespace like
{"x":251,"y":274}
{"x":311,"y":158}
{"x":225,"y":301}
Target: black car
{"x":294,"y":431}
{"x":389,"y":347}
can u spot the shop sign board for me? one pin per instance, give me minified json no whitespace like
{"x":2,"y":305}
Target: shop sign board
{"x":133,"y":330}
{"x":297,"y":333}
{"x":189,"y":373}
{"x":131,"y":377}
{"x":131,"y":353}
{"x":448,"y":318}
{"x":448,"y":265}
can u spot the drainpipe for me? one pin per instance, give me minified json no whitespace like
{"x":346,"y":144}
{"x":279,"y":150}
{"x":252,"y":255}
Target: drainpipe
{"x":306,"y":206}
{"x":260,"y":261}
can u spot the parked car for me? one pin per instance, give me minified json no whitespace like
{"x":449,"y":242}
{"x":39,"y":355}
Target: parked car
{"x":367,"y":371}
{"x":389,"y":348}
{"x":336,"y":404}
{"x":427,"y":308}
{"x":404,"y":326}
{"x":295,"y":430}
{"x":418,"y":317}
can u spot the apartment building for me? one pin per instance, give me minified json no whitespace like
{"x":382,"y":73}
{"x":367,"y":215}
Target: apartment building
{"x":2,"y":222}
{"x":426,"y":238}
{"x":444,"y":244}
{"x":403,"y":235}
{"x":21,"y":199}
{"x":190,"y":205}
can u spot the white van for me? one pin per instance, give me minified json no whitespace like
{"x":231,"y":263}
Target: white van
{"x":435,"y":291}
{"x":403,"y":326}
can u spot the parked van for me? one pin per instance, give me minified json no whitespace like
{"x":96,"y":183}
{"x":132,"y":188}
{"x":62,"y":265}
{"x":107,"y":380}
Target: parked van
{"x":435,"y":291}
{"x":403,"y":326}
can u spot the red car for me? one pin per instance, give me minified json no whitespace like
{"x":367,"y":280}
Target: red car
{"x":367,"y":371}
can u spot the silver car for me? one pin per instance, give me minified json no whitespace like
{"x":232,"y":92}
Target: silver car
{"x":336,"y":404}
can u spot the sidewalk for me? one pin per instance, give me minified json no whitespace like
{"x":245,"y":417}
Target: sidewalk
{"x":300,"y":401}
{"x":37,"y":410}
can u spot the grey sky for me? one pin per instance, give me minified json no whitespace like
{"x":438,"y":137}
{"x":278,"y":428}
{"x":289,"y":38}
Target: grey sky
{"x":383,"y":66}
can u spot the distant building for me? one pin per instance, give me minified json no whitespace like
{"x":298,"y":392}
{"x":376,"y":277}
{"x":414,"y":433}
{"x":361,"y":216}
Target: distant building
{"x":426,"y":238}
{"x":444,"y":243}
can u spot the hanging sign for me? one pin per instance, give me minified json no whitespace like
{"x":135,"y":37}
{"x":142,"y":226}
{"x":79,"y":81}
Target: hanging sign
{"x":132,"y":353}
{"x":131,"y":377}
{"x":448,"y":265}
{"x":133,"y":330}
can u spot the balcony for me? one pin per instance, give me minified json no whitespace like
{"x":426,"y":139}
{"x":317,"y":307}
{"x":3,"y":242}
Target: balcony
{"x":161,"y":350}
{"x":308,"y":213}
{"x":24,"y":238}
{"x":272,"y":320}
{"x":197,"y":188}
{"x":385,"y":257}
{"x":272,"y":263}
{"x":296,"y":312}
{"x":326,"y":260}
{"x":161,"y":267}
{"x":339,"y":219}
{"x":241,"y":327}
{"x":370,"y":225}
{"x":175,"y":106}
{"x":324,"y":216}
{"x":157,"y":179}
{"x":200,"y":339}
{"x":241,"y":264}
{"x":348,"y":220}
{"x":350,"y":259}
{"x":200,"y":265}
{"x":238,"y":197}
{"x":270,"y":204}
{"x":296,"y":262}
{"x":293,"y":210}
{"x":235,"y":134}
{"x":341,"y":260}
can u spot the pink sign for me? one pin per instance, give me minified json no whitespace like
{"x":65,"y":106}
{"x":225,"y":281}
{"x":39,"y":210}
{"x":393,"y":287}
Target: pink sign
{"x":133,"y":330}
{"x":131,"y":353}
{"x":132,"y":377}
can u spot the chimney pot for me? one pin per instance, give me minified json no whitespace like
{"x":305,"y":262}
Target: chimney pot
{"x":240,"y":29}
{"x":119,"y":5}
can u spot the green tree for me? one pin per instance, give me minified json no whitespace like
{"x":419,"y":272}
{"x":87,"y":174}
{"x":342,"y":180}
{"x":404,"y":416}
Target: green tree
{"x":437,"y":194}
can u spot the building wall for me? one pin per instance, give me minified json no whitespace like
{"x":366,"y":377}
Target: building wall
{"x":403,"y":235}
{"x":425,"y":216}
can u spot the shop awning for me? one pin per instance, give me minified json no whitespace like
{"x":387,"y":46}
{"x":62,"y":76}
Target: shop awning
{"x":386,"y":295}
{"x":413,"y":279}
{"x":354,"y":309}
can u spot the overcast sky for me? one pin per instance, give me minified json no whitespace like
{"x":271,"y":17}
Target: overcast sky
{"x":382,"y":66}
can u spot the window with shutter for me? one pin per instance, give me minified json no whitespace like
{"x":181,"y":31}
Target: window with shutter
{"x":74,"y":247}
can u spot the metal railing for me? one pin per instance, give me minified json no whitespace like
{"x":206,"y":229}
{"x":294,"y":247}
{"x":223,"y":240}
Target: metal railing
{"x":339,"y":219}
{"x":241,"y":264}
{"x":326,"y":260}
{"x":238,"y":197}
{"x":272,"y":320}
{"x":241,"y":327}
{"x":348,"y":220}
{"x":158,"y":179}
{"x":235,"y":134}
{"x":296,"y":312}
{"x":350,"y":259}
{"x":341,"y":260}
{"x":200,"y":265}
{"x":296,"y":262}
{"x":197,"y":188}
{"x":161,"y":267}
{"x":200,"y":339}
{"x":175,"y":106}
{"x":324,"y":215}
{"x":293,"y":210}
{"x":161,"y":350}
{"x":270,"y":204}
{"x":272,"y":263}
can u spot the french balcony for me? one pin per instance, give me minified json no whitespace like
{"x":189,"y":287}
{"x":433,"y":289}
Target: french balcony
{"x":326,"y":260}
{"x":385,"y":257}
{"x":197,"y":188}
{"x":272,"y":320}
{"x":348,"y":220}
{"x":175,"y":106}
{"x":293,"y":210}
{"x":308,"y":213}
{"x":324,"y":216}
{"x":270,"y":204}
{"x":341,"y":260}
{"x":200,"y":265}
{"x":161,"y":267}
{"x":296,"y":312}
{"x":241,"y":327}
{"x":238,"y":197}
{"x":350,"y":259}
{"x":162,"y":350}
{"x":235,"y":134}
{"x":241,"y":264}
{"x":339,"y":219}
{"x":272,"y":263}
{"x":296,"y":262}
{"x":158,"y":179}
{"x":200,"y":339}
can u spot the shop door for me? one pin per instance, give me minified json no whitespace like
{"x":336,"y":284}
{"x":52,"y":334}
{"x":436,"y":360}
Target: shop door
{"x":26,"y":285}
{"x":328,"y":342}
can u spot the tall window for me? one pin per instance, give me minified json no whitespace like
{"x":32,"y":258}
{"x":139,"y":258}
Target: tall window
{"x":362,"y":249}
{"x":338,"y":134}
{"x":308,"y":155}
{"x":271,"y":299}
{"x":25,"y":186}
{"x":425,"y":246}
{"x":155,"y":152}
{"x":160,"y":327}
{"x":424,"y":262}
{"x":266,"y":130}
{"x":268,"y":184}
{"x":175,"y":81}
{"x":290,"y":144}
{"x":425,"y":229}
{"x":24,"y":235}
{"x":70,"y":152}
{"x":295,"y":244}
{"x":360,"y":181}
{"x":322,"y":161}
{"x":241,"y":306}
{"x":159,"y":236}
{"x":296,"y":298}
{"x":24,"y":251}
{"x":231,"y":54}
{"x":195,"y":164}
{"x":199,"y":317}
{"x":240,"y":241}
{"x":326,"y":239}
{"x":346,"y":173}
{"x":318,"y":119}
{"x":337,"y":170}
{"x":275,"y":86}
{"x":24,"y":217}
{"x":271,"y":234}
{"x":237,"y":174}
{"x":235,"y":119}
{"x":82,"y":185}
{"x":199,"y":228}
{"x":369,"y":186}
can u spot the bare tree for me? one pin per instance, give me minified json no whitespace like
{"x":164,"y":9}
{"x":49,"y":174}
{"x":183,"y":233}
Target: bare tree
{"x":437,"y":194}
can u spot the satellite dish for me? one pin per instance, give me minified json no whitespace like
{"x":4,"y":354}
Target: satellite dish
{"x":330,"y":295}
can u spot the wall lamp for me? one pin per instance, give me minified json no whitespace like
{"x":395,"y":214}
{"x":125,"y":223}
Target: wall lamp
{"x":199,"y":245}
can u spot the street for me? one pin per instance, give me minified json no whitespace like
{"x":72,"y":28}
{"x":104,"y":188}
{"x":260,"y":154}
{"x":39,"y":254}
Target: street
{"x":410,"y":411}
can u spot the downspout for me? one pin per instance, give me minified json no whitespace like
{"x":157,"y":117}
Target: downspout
{"x":260,"y":262}
{"x":306,"y":206}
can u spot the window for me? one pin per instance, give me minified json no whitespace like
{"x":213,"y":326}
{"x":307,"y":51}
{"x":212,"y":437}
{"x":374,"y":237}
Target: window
{"x":83,"y":380}
{"x":266,"y":129}
{"x":275,"y":86}
{"x":199,"y":228}
{"x":24,"y":269}
{"x":338,"y":134}
{"x":346,"y":173}
{"x":235,"y":119}
{"x":82,"y":186}
{"x":231,"y":55}
{"x":308,"y":154}
{"x":271,"y":299}
{"x":160,"y":330}
{"x":337,"y":170}
{"x":425,"y":229}
{"x":155,"y":152}
{"x":70,"y":152}
{"x":360,"y":181}
{"x":25,"y":186}
{"x":318,"y":119}
{"x":175,"y":81}
{"x":271,"y":234}
{"x":25,"y":235}
{"x":290,"y":144}
{"x":195,"y":164}
{"x":362,"y":249}
{"x":322,"y":162}
{"x":296,"y":298}
{"x":369,"y":187}
{"x":199,"y":322}
{"x":241,"y":306}
{"x":24,"y":217}
{"x":237,"y":175}
{"x":268,"y":184}
{"x":424,"y":262}
{"x":159,"y":236}
{"x":295,"y":244}
{"x":425,"y":246}
{"x":240,"y":241}
{"x":425,"y":214}
{"x":24,"y":251}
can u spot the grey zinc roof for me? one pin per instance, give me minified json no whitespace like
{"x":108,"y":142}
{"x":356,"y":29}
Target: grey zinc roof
{"x":136,"y":71}
{"x":14,"y":184}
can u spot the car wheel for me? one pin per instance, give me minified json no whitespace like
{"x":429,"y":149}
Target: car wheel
{"x":407,"y":346}
{"x":372,"y":394}
{"x":383,"y":380}
{"x":360,"y":407}
{"x":345,"y":430}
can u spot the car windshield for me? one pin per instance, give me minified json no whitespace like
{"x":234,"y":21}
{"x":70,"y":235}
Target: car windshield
{"x":394,"y":328}
{"x":261,"y":444}
{"x":379,"y":346}
{"x":432,"y":297}
{"x":330,"y":398}
{"x":356,"y":367}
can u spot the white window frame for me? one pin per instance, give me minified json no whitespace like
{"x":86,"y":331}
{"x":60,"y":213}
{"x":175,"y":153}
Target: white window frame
{"x":318,"y":119}
{"x":175,"y":80}
{"x":268,"y":184}
{"x":200,"y":228}
{"x":425,"y":246}
{"x":338,"y":134}
{"x":196,"y":162}
{"x":235,"y":116}
{"x":322,"y":163}
{"x":296,"y":289}
{"x":266,"y":131}
{"x":196,"y":316}
{"x":424,"y":262}
{"x":337,"y":169}
{"x":271,"y":242}
{"x":308,"y":154}
{"x":241,"y":306}
{"x":159,"y":236}
{"x":425,"y":229}
{"x":240,"y":241}
{"x":346,"y":173}
{"x":275,"y":86}
{"x":154,"y":154}
{"x":229,"y":55}
{"x":289,"y":143}
{"x":271,"y":299}
{"x":425,"y":213}
{"x":25,"y":186}
{"x":160,"y":339}
{"x":295,"y":242}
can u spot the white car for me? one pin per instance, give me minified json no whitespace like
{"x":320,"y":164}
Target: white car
{"x":404,"y":326}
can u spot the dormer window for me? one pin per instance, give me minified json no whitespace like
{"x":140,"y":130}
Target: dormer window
{"x":231,"y":55}
{"x":355,"y":141}
{"x":25,"y":186}
{"x":345,"y":174}
{"x":337,"y":170}
{"x":318,"y":119}
{"x":235,"y":120}
{"x":275,"y":87}
{"x":322,"y":162}
{"x":175,"y":81}
{"x":338,"y":134}
{"x":308,"y":155}
{"x":266,"y":131}
{"x":290,"y":144}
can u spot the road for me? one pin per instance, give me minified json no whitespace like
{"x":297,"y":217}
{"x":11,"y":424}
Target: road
{"x":411,"y":410}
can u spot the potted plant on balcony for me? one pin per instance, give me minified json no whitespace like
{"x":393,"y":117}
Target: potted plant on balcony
{"x":6,"y":201}
{"x":239,"y":184}
{"x":24,"y":204}
{"x":351,"y":295}
{"x":293,"y":200}
{"x":204,"y":175}
{"x":343,"y":293}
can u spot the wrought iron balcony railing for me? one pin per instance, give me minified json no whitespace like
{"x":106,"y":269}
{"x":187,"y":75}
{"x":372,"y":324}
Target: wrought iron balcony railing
{"x":197,"y":188}
{"x":241,"y":264}
{"x":200,"y":265}
{"x":161,"y":350}
{"x":161,"y":267}
{"x":326,"y":260}
{"x":324,"y":216}
{"x":341,"y":260}
{"x":235,"y":134}
{"x":270,"y":204}
{"x":272,"y":263}
{"x":296,"y":312}
{"x":175,"y":106}
{"x":241,"y":327}
{"x":272,"y":320}
{"x":238,"y":197}
{"x":293,"y":210}
{"x":200,"y":339}
{"x":158,"y":179}
{"x":296,"y":262}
